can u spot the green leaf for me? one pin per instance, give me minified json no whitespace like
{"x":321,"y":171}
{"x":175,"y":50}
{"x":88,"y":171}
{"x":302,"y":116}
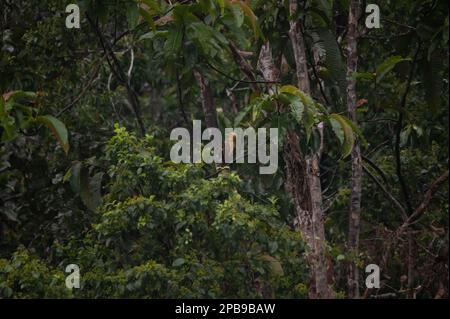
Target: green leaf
{"x":357,"y":131}
{"x":57,"y":128}
{"x":9,"y":129}
{"x":208,"y":39}
{"x":337,"y":129}
{"x":221,"y":4}
{"x":234,"y":16}
{"x":388,"y":65}
{"x":274,"y":265}
{"x":304,"y":98}
{"x":250,"y":16}
{"x":363,"y":76}
{"x":148,"y":17}
{"x":297,"y":108}
{"x":290,"y":89}
{"x":153,"y":34}
{"x":16,"y":96}
{"x":334,"y":61}
{"x":133,"y":15}
{"x":75,"y":177}
{"x":296,"y":105}
{"x":173,"y":42}
{"x":3,"y":112}
{"x":323,"y":8}
{"x":349,"y":138}
{"x":308,"y":108}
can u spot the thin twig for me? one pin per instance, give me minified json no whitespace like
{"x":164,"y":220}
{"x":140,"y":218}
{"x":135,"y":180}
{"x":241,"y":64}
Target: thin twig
{"x":83,"y":91}
{"x":237,"y":80}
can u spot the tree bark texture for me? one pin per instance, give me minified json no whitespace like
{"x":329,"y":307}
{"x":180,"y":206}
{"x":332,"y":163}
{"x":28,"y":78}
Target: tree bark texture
{"x":354,"y":225}
{"x":207,"y":99}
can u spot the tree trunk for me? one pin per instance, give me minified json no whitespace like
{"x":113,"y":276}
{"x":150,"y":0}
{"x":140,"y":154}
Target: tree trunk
{"x":298,"y":46}
{"x":355,"y":196}
{"x":303,"y":176}
{"x":207,"y":100}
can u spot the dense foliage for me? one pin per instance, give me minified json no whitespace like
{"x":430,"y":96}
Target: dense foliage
{"x":86,"y":177}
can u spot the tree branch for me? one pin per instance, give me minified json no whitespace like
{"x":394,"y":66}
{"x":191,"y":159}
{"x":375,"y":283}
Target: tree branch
{"x":426,"y":200}
{"x":119,"y":73}
{"x":398,"y":165}
{"x":387,"y":193}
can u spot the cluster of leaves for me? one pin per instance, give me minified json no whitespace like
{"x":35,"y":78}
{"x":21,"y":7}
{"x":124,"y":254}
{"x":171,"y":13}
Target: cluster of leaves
{"x":176,"y":235}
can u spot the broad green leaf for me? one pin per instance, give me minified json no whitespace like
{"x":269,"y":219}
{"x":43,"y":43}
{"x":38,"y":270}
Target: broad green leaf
{"x":234,"y":16}
{"x":321,"y":108}
{"x":208,"y":39}
{"x":148,"y":17}
{"x":334,"y":61}
{"x":3,"y":112}
{"x":349,"y":138}
{"x":249,"y":15}
{"x":296,"y":105}
{"x":290,"y":89}
{"x":322,"y":10}
{"x":173,"y":42}
{"x":363,"y":76}
{"x":388,"y":65}
{"x":132,"y":15}
{"x":57,"y":128}
{"x":154,"y":34}
{"x":15,"y":96}
{"x":9,"y":129}
{"x":75,"y":177}
{"x":327,"y":7}
{"x":308,"y":107}
{"x":297,"y":108}
{"x":305,"y":98}
{"x":221,"y":4}
{"x":337,"y":129}
{"x":357,"y":131}
{"x":308,"y":122}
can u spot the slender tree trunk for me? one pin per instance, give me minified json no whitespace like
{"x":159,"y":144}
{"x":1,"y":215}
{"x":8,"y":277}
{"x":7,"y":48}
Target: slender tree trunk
{"x":355,"y":196}
{"x":207,"y":100}
{"x":298,"y":46}
{"x":303,"y":178}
